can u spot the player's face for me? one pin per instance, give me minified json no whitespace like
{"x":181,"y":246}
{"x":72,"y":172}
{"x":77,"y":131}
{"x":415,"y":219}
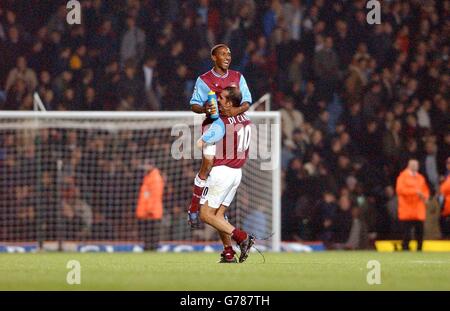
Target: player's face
{"x":222,"y":58}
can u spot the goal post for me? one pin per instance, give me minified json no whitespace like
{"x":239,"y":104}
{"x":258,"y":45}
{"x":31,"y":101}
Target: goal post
{"x":76,"y":176}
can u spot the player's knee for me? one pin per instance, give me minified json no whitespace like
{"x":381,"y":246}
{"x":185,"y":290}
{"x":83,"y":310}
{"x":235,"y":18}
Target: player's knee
{"x":204,"y":215}
{"x":220,"y":212}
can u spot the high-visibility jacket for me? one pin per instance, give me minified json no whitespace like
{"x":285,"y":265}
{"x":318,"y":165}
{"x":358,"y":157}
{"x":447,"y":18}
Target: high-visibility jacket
{"x":410,"y":205}
{"x":150,"y":201}
{"x":445,"y":192}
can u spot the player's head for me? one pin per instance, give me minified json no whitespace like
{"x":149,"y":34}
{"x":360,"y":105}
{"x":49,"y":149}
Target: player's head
{"x":230,"y":96}
{"x":221,"y":56}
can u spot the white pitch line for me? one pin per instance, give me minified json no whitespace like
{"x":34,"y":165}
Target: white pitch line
{"x":431,"y":261}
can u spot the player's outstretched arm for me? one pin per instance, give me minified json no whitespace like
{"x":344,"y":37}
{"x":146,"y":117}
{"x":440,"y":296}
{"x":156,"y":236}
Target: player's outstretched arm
{"x":199,"y":100}
{"x":198,"y":109}
{"x":234,"y":111}
{"x":245,"y":102}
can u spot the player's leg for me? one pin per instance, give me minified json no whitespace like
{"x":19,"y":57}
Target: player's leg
{"x":222,"y":186}
{"x":206,"y":143}
{"x":225,"y":238}
{"x":228,"y":254}
{"x":208,"y":215}
{"x":200,"y":182}
{"x":245,"y":241}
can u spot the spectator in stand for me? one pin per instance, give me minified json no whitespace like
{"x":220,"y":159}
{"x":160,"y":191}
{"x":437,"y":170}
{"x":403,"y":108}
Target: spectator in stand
{"x":130,"y":86}
{"x":105,"y":42}
{"x":291,"y":119}
{"x":326,"y":69}
{"x":393,"y":142}
{"x":151,"y":84}
{"x":133,"y":42}
{"x":21,"y":71}
{"x":430,"y":164}
{"x":342,"y":221}
{"x":77,"y":214}
{"x":10,"y":48}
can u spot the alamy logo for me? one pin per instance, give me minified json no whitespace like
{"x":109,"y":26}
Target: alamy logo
{"x":374,"y":275}
{"x":74,"y":275}
{"x":374,"y":15}
{"x":73,"y":12}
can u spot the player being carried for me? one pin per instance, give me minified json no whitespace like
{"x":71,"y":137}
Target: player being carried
{"x":215,"y":80}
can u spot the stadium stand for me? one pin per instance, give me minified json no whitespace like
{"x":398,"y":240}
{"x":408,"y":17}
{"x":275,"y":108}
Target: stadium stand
{"x":357,"y":100}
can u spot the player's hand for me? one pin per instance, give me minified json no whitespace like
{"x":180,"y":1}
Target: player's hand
{"x":194,"y":220}
{"x":210,"y":109}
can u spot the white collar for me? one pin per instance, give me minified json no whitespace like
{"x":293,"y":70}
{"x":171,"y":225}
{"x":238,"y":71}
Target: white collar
{"x":218,"y":75}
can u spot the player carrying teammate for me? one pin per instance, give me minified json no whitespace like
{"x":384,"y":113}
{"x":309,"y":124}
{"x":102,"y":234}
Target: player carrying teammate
{"x":225,"y":175}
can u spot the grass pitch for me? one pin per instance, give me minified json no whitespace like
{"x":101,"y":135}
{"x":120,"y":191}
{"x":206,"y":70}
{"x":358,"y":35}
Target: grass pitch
{"x":199,"y":271}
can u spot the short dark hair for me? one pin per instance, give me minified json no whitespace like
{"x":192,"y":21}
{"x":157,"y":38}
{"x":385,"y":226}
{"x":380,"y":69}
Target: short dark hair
{"x":218,"y":46}
{"x":234,"y":95}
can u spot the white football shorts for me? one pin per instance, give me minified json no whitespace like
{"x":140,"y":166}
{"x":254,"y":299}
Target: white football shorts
{"x":221,"y":186}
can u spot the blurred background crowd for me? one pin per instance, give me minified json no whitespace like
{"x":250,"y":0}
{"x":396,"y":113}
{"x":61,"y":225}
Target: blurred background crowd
{"x":357,"y":100}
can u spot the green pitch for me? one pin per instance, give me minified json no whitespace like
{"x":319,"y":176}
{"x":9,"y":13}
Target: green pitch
{"x":199,"y":271}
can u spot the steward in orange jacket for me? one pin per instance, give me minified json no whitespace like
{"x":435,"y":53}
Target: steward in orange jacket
{"x":412,"y":192}
{"x":445,"y":192}
{"x":150,"y":202}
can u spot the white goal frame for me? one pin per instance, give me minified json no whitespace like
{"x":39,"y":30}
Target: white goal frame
{"x":141,"y":115}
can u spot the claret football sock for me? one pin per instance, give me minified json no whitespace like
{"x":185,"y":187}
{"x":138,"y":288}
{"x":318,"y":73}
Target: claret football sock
{"x":228,"y":253}
{"x":238,"y":235}
{"x":228,"y":250}
{"x":199,"y":185}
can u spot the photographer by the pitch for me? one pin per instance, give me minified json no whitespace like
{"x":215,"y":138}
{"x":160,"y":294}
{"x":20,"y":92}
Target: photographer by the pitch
{"x":413,"y":193}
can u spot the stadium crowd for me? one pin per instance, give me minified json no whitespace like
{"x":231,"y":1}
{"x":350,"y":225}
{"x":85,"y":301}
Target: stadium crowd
{"x":357,"y":100}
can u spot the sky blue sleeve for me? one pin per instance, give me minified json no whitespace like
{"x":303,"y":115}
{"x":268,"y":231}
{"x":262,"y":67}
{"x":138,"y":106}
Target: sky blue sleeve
{"x":246,"y":96}
{"x":200,"y":95}
{"x":215,"y":132}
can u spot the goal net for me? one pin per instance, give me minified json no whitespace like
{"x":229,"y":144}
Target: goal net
{"x":72,"y":176}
